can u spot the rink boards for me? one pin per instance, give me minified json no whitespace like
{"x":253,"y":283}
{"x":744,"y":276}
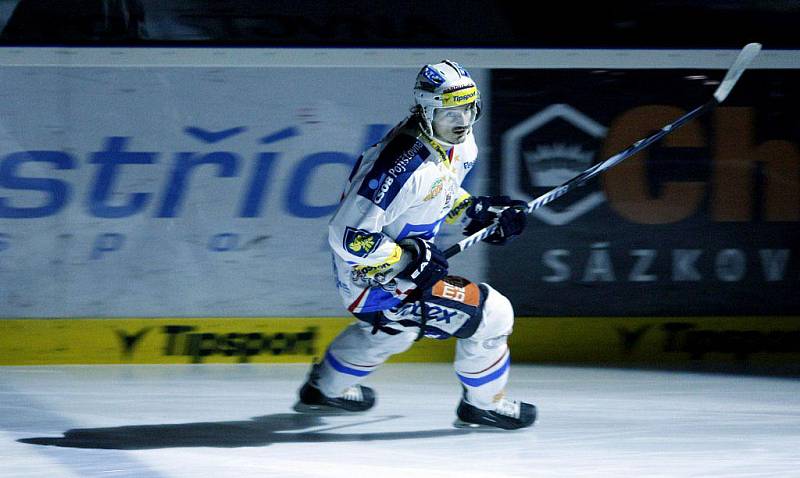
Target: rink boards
{"x":199,"y":182}
{"x":669,"y":340}
{"x":164,"y":186}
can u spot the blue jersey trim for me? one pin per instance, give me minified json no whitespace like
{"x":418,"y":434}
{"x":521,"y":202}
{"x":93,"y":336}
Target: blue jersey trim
{"x":378,"y":299}
{"x":477,"y":382}
{"x":427,"y":230}
{"x":340,"y":367}
{"x":393,"y":167}
{"x":355,"y":168}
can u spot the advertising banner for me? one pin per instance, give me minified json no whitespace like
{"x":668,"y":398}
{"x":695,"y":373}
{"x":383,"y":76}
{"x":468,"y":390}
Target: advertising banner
{"x":182,"y":340}
{"x":740,"y":341}
{"x":703,"y":223}
{"x":184,"y":191}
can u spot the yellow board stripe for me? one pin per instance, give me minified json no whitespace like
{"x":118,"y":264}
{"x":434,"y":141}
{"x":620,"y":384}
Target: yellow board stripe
{"x":298,"y":339}
{"x":179,"y":340}
{"x":656,"y":340}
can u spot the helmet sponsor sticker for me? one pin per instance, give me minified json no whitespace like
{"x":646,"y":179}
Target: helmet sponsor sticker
{"x":432,"y":76}
{"x":461,"y":96}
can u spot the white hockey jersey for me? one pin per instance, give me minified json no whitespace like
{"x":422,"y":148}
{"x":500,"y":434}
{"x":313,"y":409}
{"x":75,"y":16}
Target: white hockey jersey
{"x":404,"y":186}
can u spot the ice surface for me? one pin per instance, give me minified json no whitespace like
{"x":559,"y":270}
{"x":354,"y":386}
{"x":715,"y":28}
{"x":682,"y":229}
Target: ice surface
{"x":236,"y":420}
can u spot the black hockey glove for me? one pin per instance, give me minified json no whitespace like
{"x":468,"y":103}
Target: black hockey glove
{"x":428,"y":264}
{"x":511,"y":221}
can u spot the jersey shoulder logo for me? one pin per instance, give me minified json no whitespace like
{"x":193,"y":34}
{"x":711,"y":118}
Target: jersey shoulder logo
{"x":360,"y":242}
{"x":390,"y":171}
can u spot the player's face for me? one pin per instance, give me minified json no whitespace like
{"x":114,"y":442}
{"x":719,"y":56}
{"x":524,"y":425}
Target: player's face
{"x":454,"y":124}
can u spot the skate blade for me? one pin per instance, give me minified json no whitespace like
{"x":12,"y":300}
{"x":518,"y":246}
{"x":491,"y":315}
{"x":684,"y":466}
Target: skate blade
{"x":483,"y":428}
{"x":301,"y":407}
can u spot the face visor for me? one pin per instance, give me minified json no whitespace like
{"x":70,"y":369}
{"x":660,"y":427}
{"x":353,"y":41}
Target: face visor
{"x":453,"y":124}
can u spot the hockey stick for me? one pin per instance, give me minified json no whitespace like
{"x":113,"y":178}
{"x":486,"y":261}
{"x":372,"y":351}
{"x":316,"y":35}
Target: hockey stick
{"x":741,"y":63}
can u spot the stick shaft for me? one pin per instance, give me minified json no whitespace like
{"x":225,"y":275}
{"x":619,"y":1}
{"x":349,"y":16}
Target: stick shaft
{"x":740,"y":64}
{"x":585,"y":176}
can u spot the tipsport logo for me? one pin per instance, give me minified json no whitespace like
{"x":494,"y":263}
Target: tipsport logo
{"x":198,"y":345}
{"x":460,"y":96}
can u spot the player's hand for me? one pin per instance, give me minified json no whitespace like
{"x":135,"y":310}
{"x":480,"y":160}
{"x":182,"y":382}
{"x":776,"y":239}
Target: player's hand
{"x":510,"y":214}
{"x":428,"y":264}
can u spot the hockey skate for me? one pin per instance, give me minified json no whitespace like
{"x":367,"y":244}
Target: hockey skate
{"x":357,"y":398}
{"x":507,"y":414}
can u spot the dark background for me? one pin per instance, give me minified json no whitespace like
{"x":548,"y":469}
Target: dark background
{"x":728,"y":276}
{"x":666,"y":23}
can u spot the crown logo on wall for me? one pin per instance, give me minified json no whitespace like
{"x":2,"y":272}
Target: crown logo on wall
{"x":554,"y":164}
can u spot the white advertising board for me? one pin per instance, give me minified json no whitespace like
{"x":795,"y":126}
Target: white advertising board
{"x":186,"y":191}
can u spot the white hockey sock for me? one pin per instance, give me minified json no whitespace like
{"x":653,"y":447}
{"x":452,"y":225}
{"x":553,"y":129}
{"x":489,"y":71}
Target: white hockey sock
{"x":356,"y":352}
{"x":484,"y":386}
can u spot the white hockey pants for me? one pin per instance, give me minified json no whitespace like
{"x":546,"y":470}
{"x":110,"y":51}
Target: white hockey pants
{"x":482,"y":361}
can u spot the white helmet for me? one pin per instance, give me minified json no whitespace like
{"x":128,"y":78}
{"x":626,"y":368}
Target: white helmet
{"x":445,"y":85}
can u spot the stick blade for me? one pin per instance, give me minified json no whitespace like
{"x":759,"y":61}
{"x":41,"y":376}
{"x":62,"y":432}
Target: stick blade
{"x":746,"y":56}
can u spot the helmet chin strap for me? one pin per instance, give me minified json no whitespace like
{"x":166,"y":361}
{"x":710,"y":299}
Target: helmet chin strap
{"x":438,"y":144}
{"x":426,"y":127}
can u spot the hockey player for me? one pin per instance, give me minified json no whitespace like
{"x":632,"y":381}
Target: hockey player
{"x":393,"y":278}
